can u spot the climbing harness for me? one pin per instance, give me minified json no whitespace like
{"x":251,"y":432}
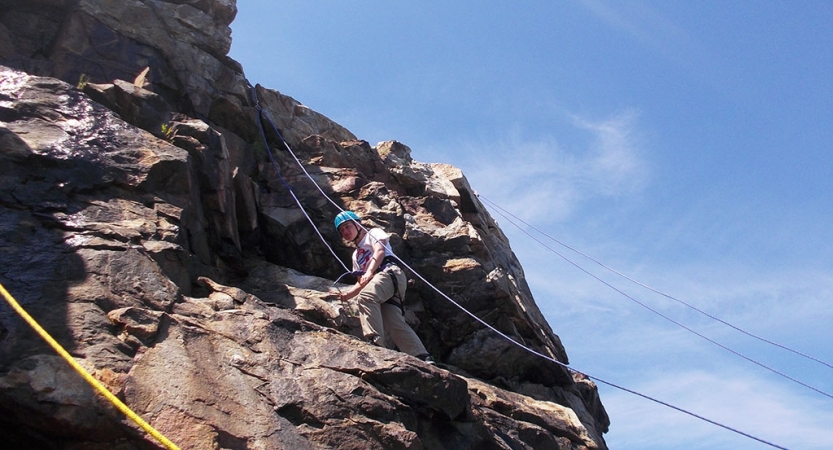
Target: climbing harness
{"x":396,"y":300}
{"x":84,"y":373}
{"x":387,"y":263}
{"x":524,"y":347}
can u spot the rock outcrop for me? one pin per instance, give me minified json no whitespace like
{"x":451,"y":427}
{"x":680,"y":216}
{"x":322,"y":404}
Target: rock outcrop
{"x":144,"y":226}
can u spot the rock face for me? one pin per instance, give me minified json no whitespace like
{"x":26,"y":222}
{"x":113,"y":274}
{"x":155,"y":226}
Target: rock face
{"x":144,"y":226}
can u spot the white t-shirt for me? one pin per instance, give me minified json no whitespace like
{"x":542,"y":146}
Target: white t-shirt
{"x":365,"y":248}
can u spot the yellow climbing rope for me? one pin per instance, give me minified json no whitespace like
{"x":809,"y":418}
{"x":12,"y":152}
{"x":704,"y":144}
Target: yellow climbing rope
{"x":86,"y":375}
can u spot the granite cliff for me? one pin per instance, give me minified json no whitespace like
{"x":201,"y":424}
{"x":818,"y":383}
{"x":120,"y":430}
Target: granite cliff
{"x":144,"y":226}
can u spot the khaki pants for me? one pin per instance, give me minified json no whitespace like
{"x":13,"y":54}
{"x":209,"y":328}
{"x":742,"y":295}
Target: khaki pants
{"x":378,"y":317}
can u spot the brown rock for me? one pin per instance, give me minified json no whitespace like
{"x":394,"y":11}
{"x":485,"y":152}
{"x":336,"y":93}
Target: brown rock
{"x":149,"y":232}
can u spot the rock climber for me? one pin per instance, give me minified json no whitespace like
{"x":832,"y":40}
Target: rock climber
{"x":380,"y":289}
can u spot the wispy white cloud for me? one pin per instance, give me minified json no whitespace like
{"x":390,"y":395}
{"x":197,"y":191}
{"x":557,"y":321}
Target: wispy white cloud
{"x":545,"y":179}
{"x":739,"y":400}
{"x":790,"y":307}
{"x":617,"y":18}
{"x":616,"y":340}
{"x":614,"y":162}
{"x":649,"y":27}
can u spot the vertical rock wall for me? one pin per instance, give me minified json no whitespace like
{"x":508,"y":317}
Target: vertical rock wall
{"x":144,"y":226}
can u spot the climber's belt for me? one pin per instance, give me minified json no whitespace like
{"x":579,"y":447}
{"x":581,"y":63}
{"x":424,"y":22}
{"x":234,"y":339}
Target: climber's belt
{"x":387,"y":262}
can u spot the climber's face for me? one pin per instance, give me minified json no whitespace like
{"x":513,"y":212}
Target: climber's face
{"x":349,"y":231}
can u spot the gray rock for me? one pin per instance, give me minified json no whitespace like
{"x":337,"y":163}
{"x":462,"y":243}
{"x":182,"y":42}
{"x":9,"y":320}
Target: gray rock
{"x":143,"y":224}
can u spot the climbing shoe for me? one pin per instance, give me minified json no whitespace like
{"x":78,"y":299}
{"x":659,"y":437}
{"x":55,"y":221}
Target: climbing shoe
{"x":426,"y":358}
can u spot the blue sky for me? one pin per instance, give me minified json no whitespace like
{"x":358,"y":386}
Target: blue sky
{"x":688,"y":145}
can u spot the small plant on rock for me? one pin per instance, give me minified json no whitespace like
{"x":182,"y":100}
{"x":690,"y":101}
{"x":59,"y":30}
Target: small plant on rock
{"x":82,"y":81}
{"x":168,"y":131}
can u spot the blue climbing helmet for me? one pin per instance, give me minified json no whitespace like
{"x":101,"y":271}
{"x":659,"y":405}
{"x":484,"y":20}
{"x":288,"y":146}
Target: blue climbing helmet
{"x":344,"y":216}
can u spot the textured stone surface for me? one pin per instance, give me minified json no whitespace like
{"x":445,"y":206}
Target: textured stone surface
{"x":143,"y":224}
